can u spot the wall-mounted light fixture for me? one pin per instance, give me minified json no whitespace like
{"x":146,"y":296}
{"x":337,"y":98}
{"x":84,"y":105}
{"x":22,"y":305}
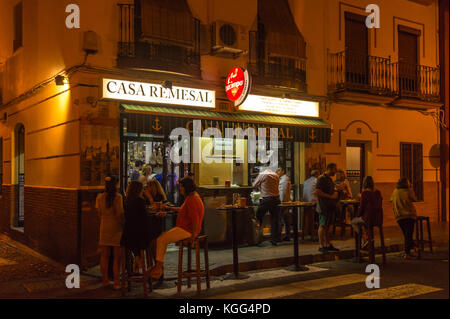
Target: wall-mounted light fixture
{"x":167,"y":84}
{"x":60,"y":80}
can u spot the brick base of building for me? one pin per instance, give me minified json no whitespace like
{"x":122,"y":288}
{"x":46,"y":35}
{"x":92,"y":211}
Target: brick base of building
{"x":61,"y":224}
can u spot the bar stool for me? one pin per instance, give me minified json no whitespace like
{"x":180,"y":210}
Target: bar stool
{"x":371,"y":251}
{"x":144,"y":278}
{"x":419,"y":234}
{"x":198,"y":273}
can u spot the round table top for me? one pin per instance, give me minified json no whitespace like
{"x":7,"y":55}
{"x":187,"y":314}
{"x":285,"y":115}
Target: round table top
{"x":350,"y":201}
{"x":296,"y":204}
{"x":231,"y":207}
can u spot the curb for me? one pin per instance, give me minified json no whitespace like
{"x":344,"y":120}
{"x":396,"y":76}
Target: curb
{"x":305,"y":259}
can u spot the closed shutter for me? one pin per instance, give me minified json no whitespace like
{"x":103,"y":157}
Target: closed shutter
{"x":411,"y":166}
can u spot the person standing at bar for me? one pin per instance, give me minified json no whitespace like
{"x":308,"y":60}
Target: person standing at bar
{"x":110,"y":207}
{"x":137,"y":171}
{"x":309,"y":188}
{"x":285,"y":196}
{"x":405,"y":213}
{"x":327,"y":197}
{"x":267,"y":182}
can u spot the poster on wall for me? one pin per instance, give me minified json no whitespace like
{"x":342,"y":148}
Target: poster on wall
{"x":100,"y":145}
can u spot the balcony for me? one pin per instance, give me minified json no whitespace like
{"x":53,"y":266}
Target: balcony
{"x":370,"y":79}
{"x":270,"y":69}
{"x":138,"y":49}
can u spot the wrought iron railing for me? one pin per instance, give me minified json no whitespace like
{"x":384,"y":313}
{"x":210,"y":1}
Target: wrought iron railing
{"x":159,"y":52}
{"x":273,"y":66}
{"x":416,"y":81}
{"x":358,"y":72}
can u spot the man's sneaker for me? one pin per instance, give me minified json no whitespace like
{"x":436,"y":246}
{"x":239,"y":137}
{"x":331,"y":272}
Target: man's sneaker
{"x":332,"y":248}
{"x":323,"y":250}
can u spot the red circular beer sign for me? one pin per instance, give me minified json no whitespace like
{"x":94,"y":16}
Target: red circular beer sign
{"x":237,"y":85}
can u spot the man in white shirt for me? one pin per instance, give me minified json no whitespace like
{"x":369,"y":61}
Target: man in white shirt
{"x":309,"y":188}
{"x":285,"y":196}
{"x":267,"y":182}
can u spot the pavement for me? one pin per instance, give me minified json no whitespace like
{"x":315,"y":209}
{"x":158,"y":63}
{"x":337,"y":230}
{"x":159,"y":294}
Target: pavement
{"x":25,"y":273}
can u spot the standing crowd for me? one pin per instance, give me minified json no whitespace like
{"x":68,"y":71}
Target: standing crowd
{"x":327,"y":191}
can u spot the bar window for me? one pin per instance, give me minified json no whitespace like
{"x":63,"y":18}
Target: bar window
{"x":18,"y":27}
{"x":411,"y":166}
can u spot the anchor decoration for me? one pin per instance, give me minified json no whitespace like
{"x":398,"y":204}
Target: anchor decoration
{"x":156,"y":126}
{"x":312,"y":135}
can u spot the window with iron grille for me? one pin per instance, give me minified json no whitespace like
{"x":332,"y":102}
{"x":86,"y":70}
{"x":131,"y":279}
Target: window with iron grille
{"x":411,"y":166}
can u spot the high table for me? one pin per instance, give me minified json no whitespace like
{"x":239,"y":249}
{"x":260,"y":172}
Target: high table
{"x":298,"y":205}
{"x":234,"y":242}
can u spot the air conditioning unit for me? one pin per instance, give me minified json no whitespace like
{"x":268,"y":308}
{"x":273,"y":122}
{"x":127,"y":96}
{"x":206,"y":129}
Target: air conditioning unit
{"x":228,"y":38}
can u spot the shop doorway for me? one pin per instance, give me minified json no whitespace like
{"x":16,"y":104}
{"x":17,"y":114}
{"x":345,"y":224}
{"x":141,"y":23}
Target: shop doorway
{"x":18,"y":219}
{"x":356,"y":167}
{"x":154,"y":151}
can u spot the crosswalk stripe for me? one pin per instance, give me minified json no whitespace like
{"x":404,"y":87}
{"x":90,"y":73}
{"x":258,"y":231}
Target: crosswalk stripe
{"x":295,"y":288}
{"x":396,"y":292}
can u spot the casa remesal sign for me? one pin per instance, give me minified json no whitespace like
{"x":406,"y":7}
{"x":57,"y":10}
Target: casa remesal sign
{"x":156,"y":93}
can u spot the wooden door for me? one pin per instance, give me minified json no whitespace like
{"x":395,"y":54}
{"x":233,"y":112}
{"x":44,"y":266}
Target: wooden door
{"x":408,"y":60}
{"x":356,"y":47}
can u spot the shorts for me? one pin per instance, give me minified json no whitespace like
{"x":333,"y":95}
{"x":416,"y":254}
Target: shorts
{"x":326,"y":218}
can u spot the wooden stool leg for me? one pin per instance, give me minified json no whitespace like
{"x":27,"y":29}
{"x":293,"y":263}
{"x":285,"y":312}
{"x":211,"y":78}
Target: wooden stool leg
{"x":421,"y":235}
{"x":129,"y":268}
{"x":148,"y":256}
{"x":357,"y":247}
{"x":383,"y":247}
{"x":429,"y":235}
{"x":144,"y":273}
{"x":180,"y":267}
{"x":205,"y":251}
{"x":371,"y":245}
{"x":189,"y":261}
{"x":197,"y":262}
{"x":124,"y":268}
{"x":419,"y":252}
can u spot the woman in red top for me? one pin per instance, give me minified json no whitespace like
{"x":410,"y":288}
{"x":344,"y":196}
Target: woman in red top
{"x":189,"y":223}
{"x":370,"y":212}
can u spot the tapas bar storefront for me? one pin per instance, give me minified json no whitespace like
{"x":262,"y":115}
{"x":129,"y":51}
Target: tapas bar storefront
{"x":145,"y":135}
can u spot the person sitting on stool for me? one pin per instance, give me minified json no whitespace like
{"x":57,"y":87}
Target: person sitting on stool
{"x":370,"y":212}
{"x":188,"y":226}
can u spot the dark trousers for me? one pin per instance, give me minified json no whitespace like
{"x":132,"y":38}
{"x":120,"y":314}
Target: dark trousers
{"x":407,"y":226}
{"x":270,"y":204}
{"x":286,"y":220}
